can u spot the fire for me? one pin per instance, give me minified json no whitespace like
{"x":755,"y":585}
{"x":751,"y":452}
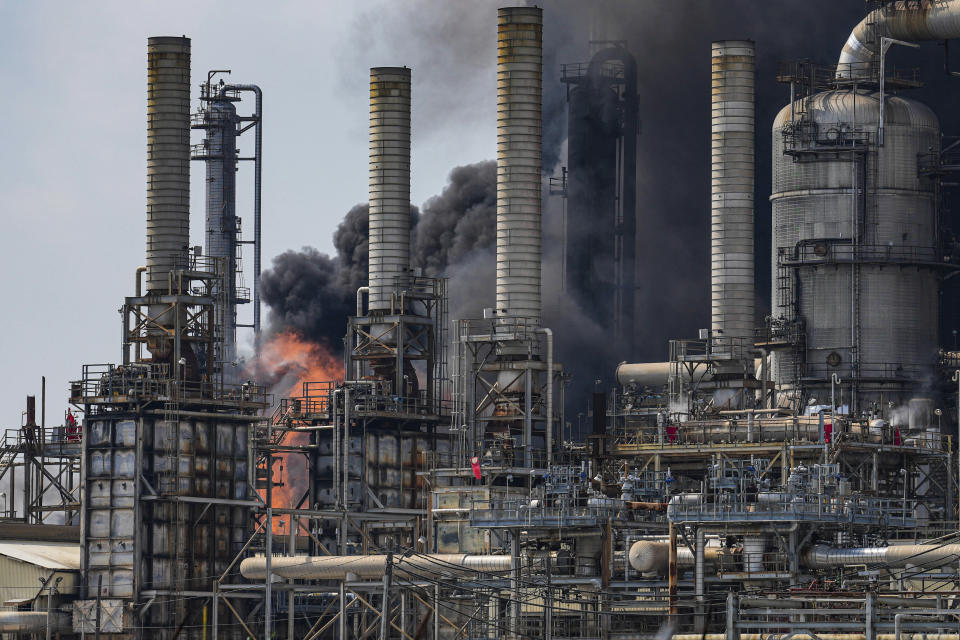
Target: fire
{"x":290,"y":360}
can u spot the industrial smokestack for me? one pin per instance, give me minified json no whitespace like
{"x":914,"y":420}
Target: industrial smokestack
{"x":519,"y":160}
{"x":389,"y":181}
{"x":731,"y":198}
{"x":168,"y":158}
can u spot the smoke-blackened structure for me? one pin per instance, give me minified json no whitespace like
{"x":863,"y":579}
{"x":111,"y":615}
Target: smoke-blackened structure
{"x":601,"y":192}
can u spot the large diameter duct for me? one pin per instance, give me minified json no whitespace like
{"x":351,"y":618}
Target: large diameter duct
{"x":731,"y":198}
{"x":519,"y":161}
{"x":168,"y":159}
{"x":928,"y":555}
{"x":389,"y":182}
{"x":650,"y":374}
{"x":653,"y":555}
{"x":910,"y":21}
{"x":372,"y":566}
{"x":657,"y":374}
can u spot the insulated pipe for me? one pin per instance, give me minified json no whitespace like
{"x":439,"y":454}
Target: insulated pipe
{"x":648,"y":374}
{"x":389,"y":194}
{"x":549,"y":426}
{"x":168,"y":159}
{"x":652,"y":555}
{"x":699,"y":578}
{"x":257,"y":174}
{"x":731,"y":197}
{"x":656,"y":374}
{"x":912,"y":22}
{"x":24,"y":622}
{"x":357,"y":364}
{"x":372,"y":566}
{"x":519,"y":161}
{"x":801,"y":635}
{"x":360,"y":292}
{"x":824,"y":557}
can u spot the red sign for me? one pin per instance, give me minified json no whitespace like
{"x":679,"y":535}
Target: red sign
{"x":475,"y":463}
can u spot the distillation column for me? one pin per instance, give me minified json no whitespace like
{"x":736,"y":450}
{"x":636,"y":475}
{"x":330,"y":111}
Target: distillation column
{"x":731,"y":197}
{"x":222,"y":233}
{"x":519,"y":161}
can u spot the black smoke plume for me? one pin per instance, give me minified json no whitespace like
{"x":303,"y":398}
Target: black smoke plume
{"x":313,"y":293}
{"x":671,"y":41}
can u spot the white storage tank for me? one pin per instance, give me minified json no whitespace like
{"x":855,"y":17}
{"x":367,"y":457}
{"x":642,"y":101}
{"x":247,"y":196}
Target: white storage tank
{"x":855,"y":245}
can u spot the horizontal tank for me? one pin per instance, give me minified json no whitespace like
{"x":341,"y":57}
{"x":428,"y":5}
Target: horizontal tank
{"x":854,"y":245}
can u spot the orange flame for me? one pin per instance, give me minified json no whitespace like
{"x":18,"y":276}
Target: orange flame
{"x":298,"y":361}
{"x":293,"y":361}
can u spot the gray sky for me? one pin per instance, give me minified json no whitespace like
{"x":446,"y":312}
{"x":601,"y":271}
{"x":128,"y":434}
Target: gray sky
{"x":73,"y":140}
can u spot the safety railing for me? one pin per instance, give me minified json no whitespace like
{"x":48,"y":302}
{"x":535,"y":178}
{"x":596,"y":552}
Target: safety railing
{"x":743,"y":430}
{"x":533,"y":512}
{"x":829,"y":252}
{"x":108,"y":382}
{"x":713,"y":348}
{"x":784,"y":506}
{"x":496,"y":458}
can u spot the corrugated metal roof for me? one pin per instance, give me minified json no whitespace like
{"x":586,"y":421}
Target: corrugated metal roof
{"x":49,"y":555}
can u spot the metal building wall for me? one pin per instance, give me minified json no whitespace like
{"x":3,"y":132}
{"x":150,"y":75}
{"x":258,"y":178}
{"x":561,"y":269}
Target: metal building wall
{"x":21,"y":580}
{"x":147,"y":523}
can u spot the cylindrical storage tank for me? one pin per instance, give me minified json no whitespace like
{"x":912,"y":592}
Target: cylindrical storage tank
{"x":220,"y":120}
{"x":389,"y":195}
{"x":753,"y":549}
{"x":168,"y":158}
{"x":519,"y":161}
{"x":854,"y":245}
{"x":731,"y":196}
